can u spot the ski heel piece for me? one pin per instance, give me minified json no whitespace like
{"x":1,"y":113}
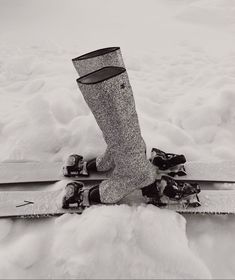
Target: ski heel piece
{"x":75,"y":166}
{"x":91,"y":165}
{"x":75,"y":196}
{"x":164,"y":160}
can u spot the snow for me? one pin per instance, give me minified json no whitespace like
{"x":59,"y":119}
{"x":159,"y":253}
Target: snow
{"x":127,"y":237}
{"x":181,"y":63}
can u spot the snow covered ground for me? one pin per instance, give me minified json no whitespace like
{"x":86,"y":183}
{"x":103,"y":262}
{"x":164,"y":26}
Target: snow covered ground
{"x":181,"y":62}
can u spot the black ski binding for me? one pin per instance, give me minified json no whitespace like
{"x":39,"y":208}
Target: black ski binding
{"x":179,"y":170}
{"x":73,"y":196}
{"x":169,"y":191}
{"x":164,"y":160}
{"x":75,"y":166}
{"x":180,"y":191}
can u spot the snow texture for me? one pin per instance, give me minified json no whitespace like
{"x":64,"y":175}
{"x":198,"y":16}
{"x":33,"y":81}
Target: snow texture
{"x":181,"y":63}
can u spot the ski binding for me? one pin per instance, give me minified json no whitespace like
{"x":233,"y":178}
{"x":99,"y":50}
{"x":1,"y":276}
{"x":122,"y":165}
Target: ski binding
{"x":168,"y":191}
{"x":75,"y":166}
{"x":164,"y":160}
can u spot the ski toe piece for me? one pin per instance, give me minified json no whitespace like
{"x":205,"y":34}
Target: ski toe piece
{"x":164,"y":160}
{"x":151,"y":191}
{"x":178,"y":192}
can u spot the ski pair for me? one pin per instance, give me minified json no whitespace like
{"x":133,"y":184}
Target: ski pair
{"x":160,"y":193}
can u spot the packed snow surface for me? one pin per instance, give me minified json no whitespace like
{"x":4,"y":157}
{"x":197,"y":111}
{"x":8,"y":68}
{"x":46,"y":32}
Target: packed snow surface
{"x":181,"y":63}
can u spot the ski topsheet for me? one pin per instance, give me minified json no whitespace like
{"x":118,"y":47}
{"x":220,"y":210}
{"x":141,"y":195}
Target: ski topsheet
{"x":32,"y":172}
{"x":33,"y":204}
{"x":212,"y":202}
{"x":36,"y":172}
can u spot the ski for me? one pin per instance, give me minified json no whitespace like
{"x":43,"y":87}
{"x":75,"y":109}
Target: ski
{"x":38,"y":172}
{"x":47,"y":203}
{"x":50,"y":172}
